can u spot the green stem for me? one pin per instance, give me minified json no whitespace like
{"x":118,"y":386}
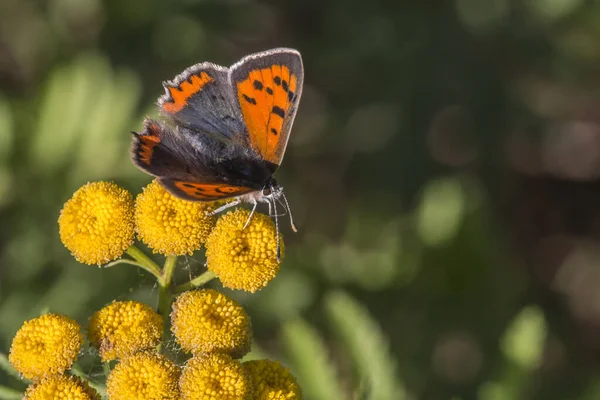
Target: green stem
{"x":98,"y":387}
{"x":106,"y":368}
{"x":123,"y":261}
{"x":164,"y":285}
{"x":145,"y":262}
{"x":7,"y":393}
{"x":200,"y":280}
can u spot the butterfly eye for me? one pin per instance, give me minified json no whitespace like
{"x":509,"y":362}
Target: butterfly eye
{"x":266,"y":191}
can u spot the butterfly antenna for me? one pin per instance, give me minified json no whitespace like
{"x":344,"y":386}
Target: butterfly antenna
{"x":251,"y":214}
{"x":289,"y":210}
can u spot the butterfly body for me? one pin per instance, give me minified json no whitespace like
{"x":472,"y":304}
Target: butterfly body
{"x":225,"y":129}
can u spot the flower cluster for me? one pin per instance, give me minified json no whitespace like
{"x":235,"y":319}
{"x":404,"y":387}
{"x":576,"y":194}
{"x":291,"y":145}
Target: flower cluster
{"x":243,"y":258}
{"x":214,"y":328}
{"x":99,"y":222}
{"x":123,"y":328}
{"x":217,"y":331}
{"x":169,"y":225}
{"x":98,"y":225}
{"x":42,"y":350}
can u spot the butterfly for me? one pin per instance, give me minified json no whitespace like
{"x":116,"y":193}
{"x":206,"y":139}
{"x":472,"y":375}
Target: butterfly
{"x":224,"y":130}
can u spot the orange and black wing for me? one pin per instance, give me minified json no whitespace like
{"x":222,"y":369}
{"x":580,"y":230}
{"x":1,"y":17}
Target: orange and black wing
{"x":201,"y":98}
{"x":268,"y":87}
{"x":197,"y":191}
{"x":182,"y":169}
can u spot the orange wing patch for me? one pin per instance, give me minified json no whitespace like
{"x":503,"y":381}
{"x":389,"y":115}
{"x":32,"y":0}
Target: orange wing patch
{"x":208,"y":191}
{"x":146,"y":146}
{"x":187,"y":88}
{"x":265,"y":98}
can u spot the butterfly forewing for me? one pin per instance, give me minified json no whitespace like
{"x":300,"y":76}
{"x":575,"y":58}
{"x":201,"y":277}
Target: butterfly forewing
{"x":268,"y":87}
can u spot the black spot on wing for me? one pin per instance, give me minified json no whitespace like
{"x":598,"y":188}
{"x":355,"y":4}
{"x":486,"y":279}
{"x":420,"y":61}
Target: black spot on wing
{"x":249,"y":99}
{"x":278,"y":111}
{"x":277,"y":80}
{"x":274,"y":131}
{"x":284,"y":85}
{"x":269,"y":90}
{"x":258,"y":85}
{"x":291,"y":96}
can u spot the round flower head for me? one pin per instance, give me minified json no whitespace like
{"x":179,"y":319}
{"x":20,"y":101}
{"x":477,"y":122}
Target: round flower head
{"x":272,"y":381}
{"x":123,"y":328}
{"x":60,"y":387}
{"x":144,"y":376}
{"x":169,"y":225}
{"x":96,"y":224}
{"x":45,"y":346}
{"x":207,"y":321}
{"x":215,"y":377}
{"x":243,"y":258}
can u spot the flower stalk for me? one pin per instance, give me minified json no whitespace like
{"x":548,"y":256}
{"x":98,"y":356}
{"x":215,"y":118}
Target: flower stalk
{"x":198,"y":281}
{"x":164,"y":285}
{"x":78,"y":372}
{"x":143,"y":261}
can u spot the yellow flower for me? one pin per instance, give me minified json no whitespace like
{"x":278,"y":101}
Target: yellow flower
{"x":45,"y":346}
{"x":169,"y":225}
{"x":272,"y":381}
{"x":215,"y":377}
{"x":144,"y":376}
{"x":207,"y":321}
{"x":243,"y":258}
{"x":60,"y":387}
{"x":96,"y":224}
{"x":123,"y":328}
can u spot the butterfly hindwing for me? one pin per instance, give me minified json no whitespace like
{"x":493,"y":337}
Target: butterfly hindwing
{"x":268,"y":87}
{"x":202,"y":99}
{"x":151,"y":150}
{"x":191,"y":166}
{"x":197,"y":191}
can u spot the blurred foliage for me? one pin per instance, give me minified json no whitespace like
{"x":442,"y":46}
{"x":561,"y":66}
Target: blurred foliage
{"x":443,"y":170}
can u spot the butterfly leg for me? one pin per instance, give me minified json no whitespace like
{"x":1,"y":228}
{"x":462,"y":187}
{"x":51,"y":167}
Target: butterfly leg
{"x":251,"y":214}
{"x":226,"y":206}
{"x":289,"y":210}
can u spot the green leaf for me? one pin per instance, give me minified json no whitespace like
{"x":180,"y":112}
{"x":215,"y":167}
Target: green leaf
{"x":9,"y":394}
{"x":308,"y":354}
{"x":523,"y":342}
{"x":367,"y":346}
{"x":6,"y":130}
{"x":441,"y":211}
{"x":7,"y":367}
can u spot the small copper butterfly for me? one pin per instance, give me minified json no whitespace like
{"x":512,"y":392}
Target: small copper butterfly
{"x":225,"y":130}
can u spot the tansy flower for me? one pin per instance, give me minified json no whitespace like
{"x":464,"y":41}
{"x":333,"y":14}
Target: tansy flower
{"x":215,"y":377}
{"x":144,"y":376}
{"x":60,"y":387}
{"x":123,"y":328}
{"x":207,"y":321}
{"x":272,"y":381}
{"x":169,"y":225}
{"x":45,"y":346}
{"x":96,"y":224}
{"x":243,"y":258}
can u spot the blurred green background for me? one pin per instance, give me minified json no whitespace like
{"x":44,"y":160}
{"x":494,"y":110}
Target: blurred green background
{"x":443,"y":171}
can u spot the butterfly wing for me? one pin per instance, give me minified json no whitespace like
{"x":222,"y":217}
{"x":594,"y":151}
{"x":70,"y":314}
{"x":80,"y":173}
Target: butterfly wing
{"x":201,"y":98}
{"x":197,"y":191}
{"x":186,"y":165}
{"x":267,"y":88}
